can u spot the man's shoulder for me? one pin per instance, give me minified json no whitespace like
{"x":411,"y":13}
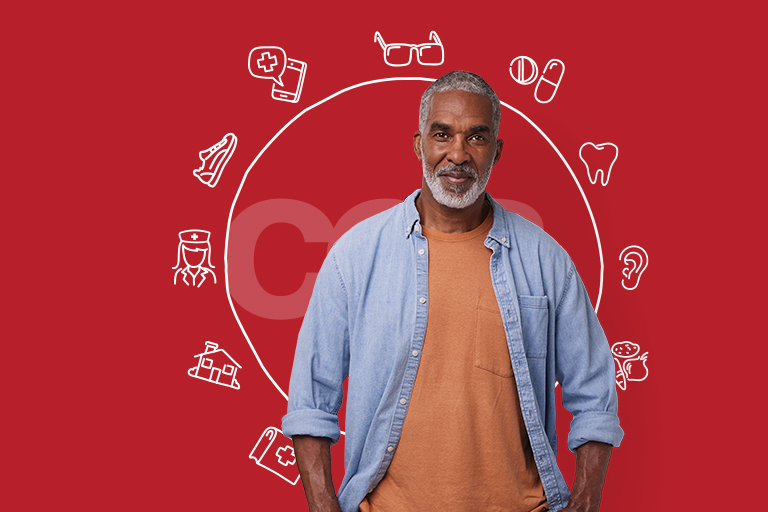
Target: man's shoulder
{"x":369,"y":230}
{"x":528,"y":231}
{"x":533,"y":241}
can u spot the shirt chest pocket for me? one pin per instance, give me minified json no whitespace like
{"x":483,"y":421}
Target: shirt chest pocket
{"x":491,"y":351}
{"x":534,"y":317}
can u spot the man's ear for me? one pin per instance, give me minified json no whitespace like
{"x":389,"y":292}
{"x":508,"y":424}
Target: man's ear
{"x":497,"y":155}
{"x":417,"y":144}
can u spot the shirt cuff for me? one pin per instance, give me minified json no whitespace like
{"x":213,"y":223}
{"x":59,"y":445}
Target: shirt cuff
{"x":600,"y":426}
{"x":311,"y":422}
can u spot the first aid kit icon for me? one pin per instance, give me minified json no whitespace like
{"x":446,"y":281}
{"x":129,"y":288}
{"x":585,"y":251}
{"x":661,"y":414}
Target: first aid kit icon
{"x":274,"y":452}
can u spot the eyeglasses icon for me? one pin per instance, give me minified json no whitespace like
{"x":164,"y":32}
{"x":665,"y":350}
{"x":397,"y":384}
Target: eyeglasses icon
{"x":399,"y":54}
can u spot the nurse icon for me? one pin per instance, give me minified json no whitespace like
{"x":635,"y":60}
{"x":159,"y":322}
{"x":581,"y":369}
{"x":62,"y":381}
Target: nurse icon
{"x":194,"y":249}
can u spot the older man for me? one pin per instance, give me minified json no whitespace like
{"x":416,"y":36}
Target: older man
{"x":452,"y":318}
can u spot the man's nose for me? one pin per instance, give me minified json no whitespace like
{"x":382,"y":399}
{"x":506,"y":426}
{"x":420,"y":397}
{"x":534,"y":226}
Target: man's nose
{"x":457,"y":153}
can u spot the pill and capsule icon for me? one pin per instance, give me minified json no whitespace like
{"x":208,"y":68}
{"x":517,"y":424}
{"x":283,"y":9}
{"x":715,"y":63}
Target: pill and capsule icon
{"x":549,"y":81}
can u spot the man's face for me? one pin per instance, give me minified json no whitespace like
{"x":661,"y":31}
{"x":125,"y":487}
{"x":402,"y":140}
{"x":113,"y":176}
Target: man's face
{"x":458,"y":148}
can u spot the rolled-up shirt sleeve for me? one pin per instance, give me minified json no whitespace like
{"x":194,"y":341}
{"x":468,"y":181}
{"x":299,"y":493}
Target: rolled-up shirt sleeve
{"x":321,"y":362}
{"x":584,"y":367}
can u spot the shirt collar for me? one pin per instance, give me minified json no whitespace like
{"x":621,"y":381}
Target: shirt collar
{"x":411,"y":214}
{"x":499,"y":231}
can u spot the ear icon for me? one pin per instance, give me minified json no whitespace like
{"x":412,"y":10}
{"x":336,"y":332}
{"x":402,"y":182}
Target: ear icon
{"x":636,"y":261}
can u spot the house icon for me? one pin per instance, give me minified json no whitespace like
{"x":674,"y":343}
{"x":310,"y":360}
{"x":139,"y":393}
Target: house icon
{"x":215,"y":365}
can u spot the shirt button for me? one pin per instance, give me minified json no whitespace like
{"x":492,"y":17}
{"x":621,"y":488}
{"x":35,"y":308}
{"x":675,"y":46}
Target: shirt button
{"x":390,"y":449}
{"x":415,"y":353}
{"x":402,"y":401}
{"x":503,"y":239}
{"x":422,"y":300}
{"x":421,"y":251}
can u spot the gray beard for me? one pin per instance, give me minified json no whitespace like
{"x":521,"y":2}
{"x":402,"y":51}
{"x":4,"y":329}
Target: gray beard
{"x":460,"y":195}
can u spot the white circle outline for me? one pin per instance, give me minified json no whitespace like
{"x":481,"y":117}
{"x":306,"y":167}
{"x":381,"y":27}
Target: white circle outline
{"x":337,"y":93}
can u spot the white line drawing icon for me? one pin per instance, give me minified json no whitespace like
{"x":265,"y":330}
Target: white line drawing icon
{"x":523,"y":70}
{"x":399,"y":54}
{"x":636,"y":260}
{"x":193,"y":248}
{"x":271,"y":63}
{"x":215,"y":365}
{"x":551,"y":77}
{"x":214,"y":159}
{"x":294,"y":80}
{"x":276,"y":456}
{"x":605,"y":176}
{"x":624,"y":354}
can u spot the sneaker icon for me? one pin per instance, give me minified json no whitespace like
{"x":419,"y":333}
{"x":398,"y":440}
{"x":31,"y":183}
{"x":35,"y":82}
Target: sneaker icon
{"x":215,"y":159}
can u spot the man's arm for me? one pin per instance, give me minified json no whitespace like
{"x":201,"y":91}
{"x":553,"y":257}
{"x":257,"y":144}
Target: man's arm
{"x":313,"y":455}
{"x":315,"y":393}
{"x":591,"y":465}
{"x":585,"y":369}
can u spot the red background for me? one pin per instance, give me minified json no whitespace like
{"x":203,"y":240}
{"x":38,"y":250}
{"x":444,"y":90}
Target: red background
{"x":107,"y":106}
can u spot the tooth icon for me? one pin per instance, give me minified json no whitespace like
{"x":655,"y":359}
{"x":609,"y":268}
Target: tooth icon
{"x":214,"y":159}
{"x":605,"y":151}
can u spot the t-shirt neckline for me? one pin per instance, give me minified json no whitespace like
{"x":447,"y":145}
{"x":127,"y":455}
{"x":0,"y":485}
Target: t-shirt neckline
{"x":482,"y":229}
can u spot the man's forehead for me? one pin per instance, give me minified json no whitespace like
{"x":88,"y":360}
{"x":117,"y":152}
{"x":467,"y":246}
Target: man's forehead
{"x":460,"y":107}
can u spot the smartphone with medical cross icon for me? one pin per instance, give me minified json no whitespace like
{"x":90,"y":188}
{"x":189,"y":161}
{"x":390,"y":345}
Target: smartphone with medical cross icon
{"x":274,"y":452}
{"x":293,"y":80}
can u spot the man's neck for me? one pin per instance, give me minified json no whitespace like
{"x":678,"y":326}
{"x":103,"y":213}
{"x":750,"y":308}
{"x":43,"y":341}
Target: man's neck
{"x":439,"y":217}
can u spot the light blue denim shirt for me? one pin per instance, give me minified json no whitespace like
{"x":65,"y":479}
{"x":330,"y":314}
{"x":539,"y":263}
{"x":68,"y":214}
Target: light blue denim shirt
{"x":367,"y":318}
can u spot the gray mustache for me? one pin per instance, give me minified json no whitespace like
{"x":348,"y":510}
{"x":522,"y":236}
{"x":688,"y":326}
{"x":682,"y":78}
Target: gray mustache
{"x":456,"y":168}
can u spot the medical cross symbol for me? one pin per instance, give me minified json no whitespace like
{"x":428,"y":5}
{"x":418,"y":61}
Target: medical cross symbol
{"x":267,"y":66}
{"x":282,"y":452}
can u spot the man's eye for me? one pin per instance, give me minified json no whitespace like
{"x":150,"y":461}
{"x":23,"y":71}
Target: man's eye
{"x":441,"y":135}
{"x":477,"y":137}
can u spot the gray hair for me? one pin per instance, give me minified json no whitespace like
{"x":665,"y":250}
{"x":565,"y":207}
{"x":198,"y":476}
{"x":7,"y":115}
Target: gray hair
{"x":460,"y":81}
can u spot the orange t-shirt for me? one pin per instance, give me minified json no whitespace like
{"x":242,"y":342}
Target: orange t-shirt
{"x":464,"y":446}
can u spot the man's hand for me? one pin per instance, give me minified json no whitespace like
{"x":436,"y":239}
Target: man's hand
{"x":591,"y":465}
{"x":313,"y":455}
